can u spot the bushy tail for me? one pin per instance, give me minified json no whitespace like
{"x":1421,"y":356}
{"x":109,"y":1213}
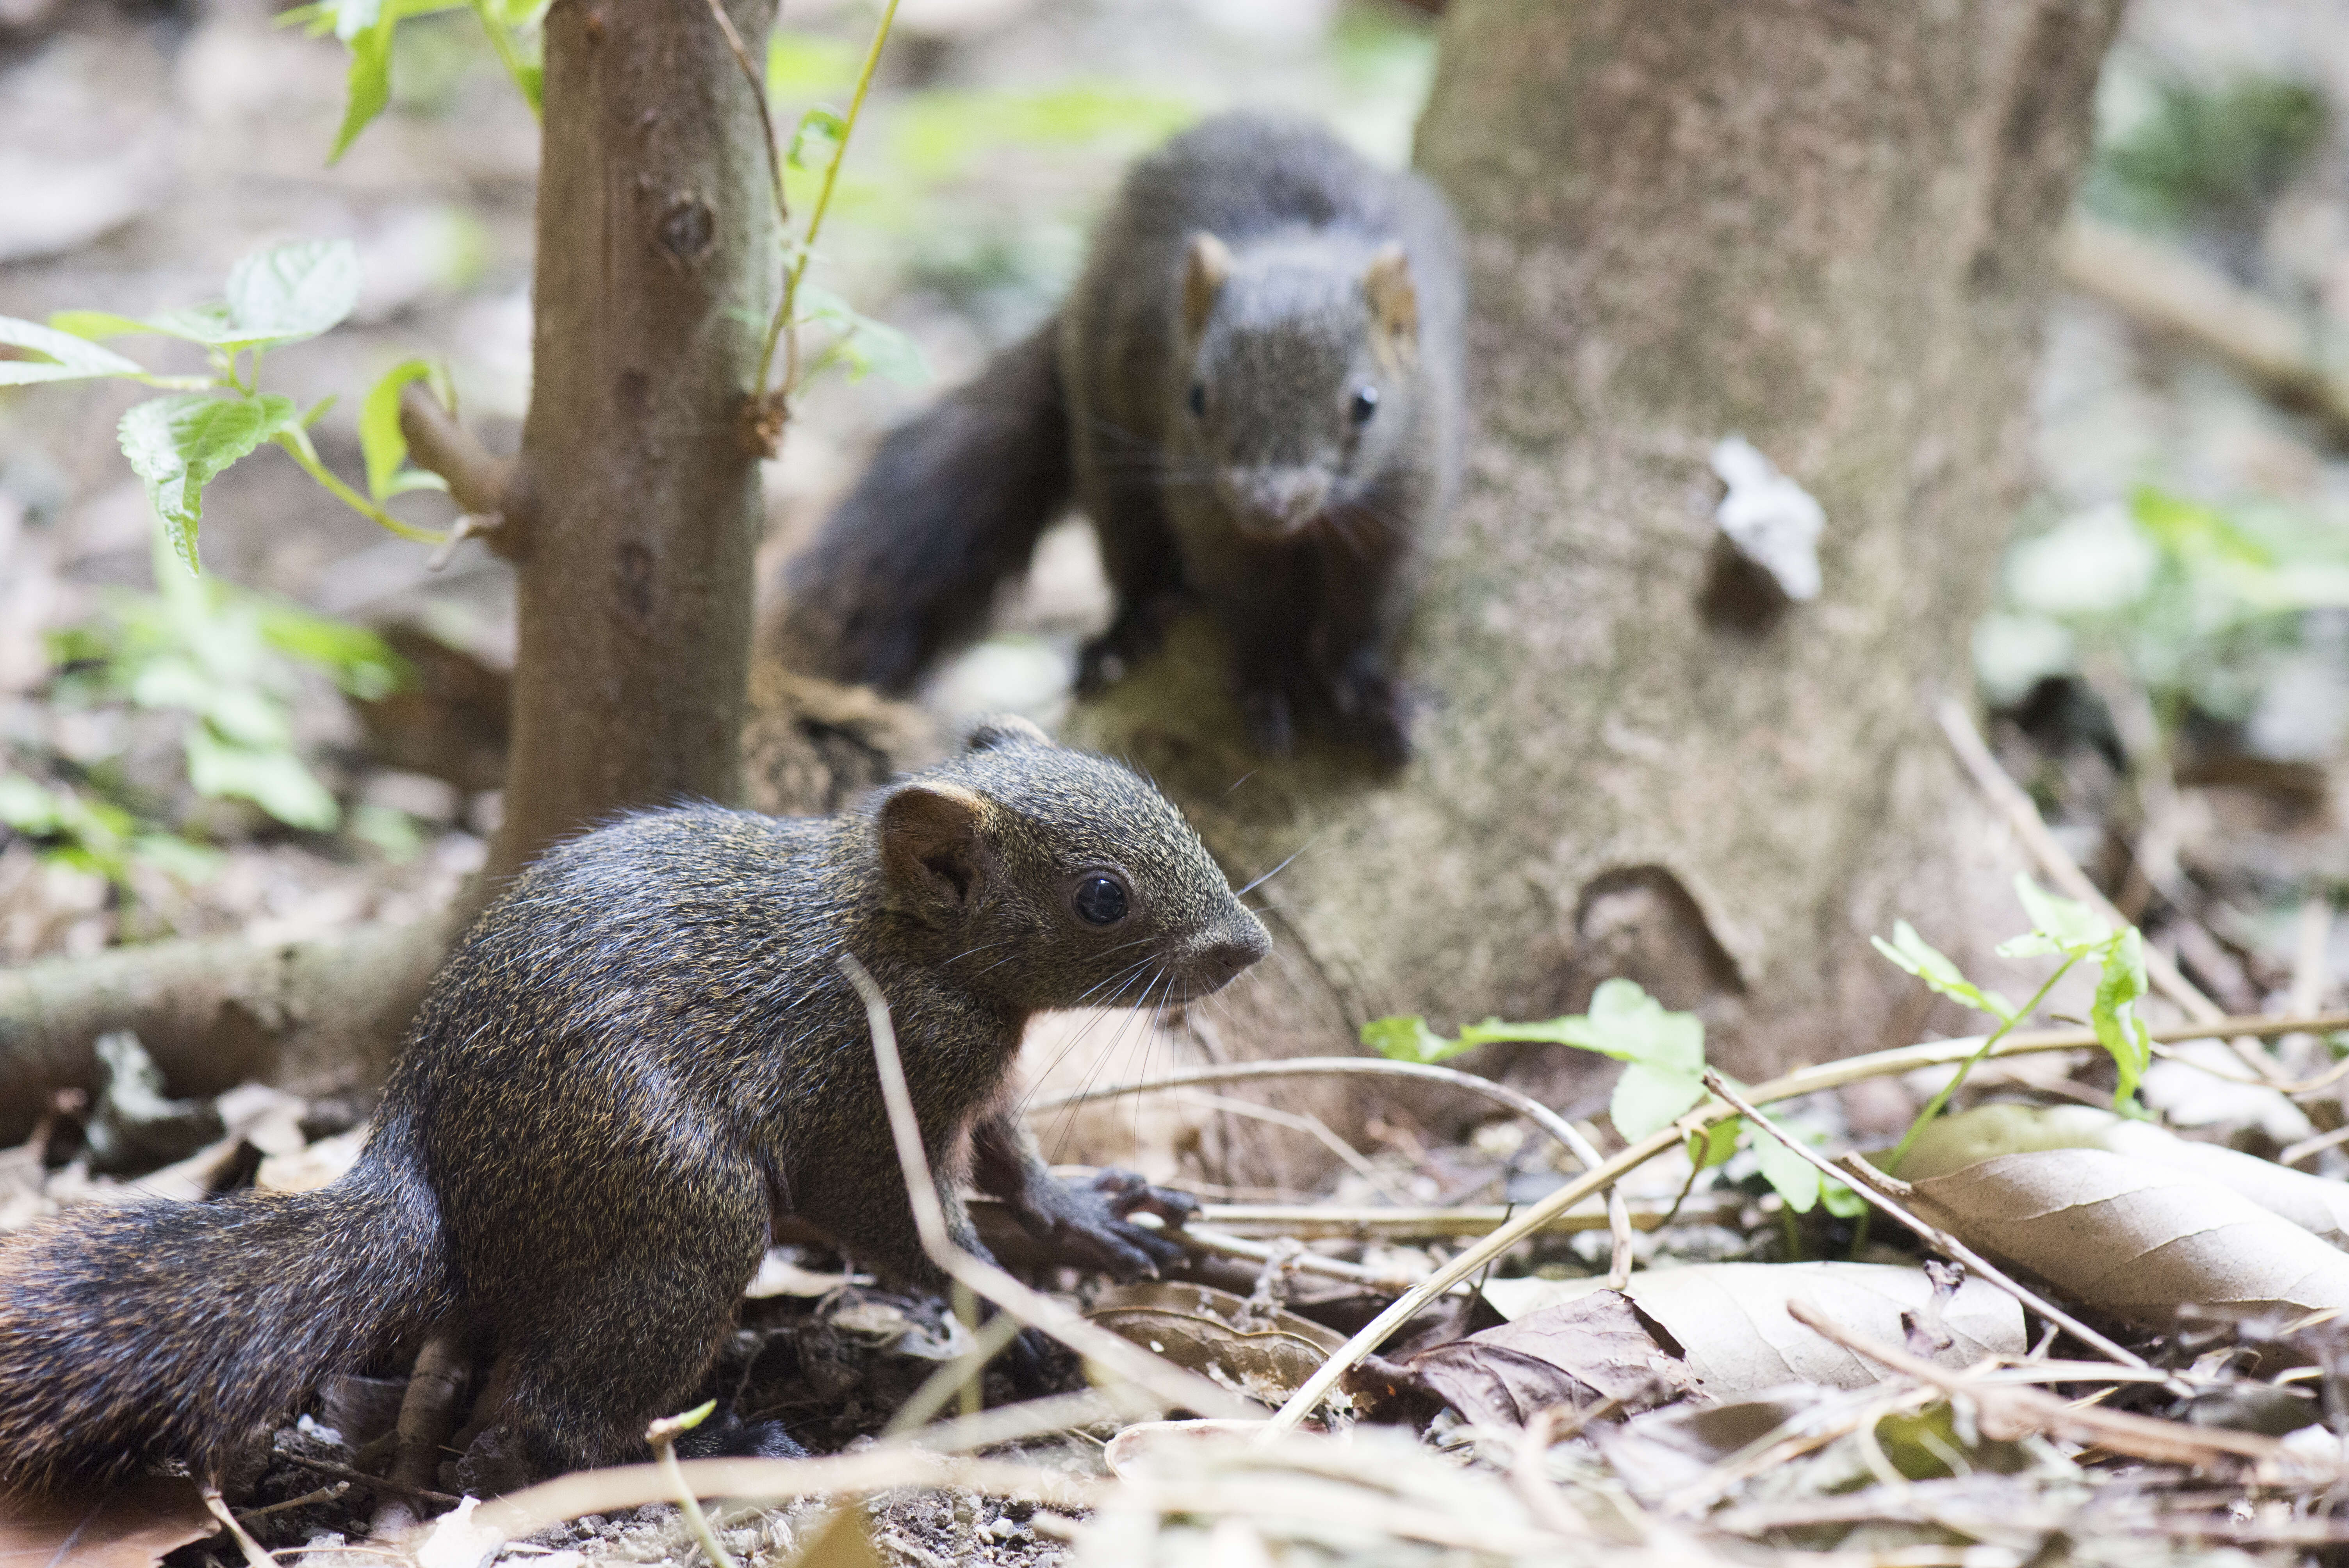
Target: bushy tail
{"x":188,"y":1331}
{"x":905,"y":568}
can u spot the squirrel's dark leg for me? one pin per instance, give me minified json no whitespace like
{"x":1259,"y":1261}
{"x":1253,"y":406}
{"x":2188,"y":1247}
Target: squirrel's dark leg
{"x":1139,"y":556}
{"x":1360,"y":605}
{"x":1264,"y":601}
{"x":603,"y":1335}
{"x":1087,"y":1224}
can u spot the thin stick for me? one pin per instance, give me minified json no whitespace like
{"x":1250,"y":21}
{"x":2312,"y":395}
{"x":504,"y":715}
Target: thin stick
{"x":323,"y":1494}
{"x":253,"y":1555}
{"x":875,"y":1469}
{"x":1940,"y":1241}
{"x":1803,"y":1081}
{"x":1309,"y":1222}
{"x":1222,"y":1244}
{"x":2061,"y":868}
{"x":1312,"y":1127}
{"x":427,"y":1413}
{"x":662,"y":1437}
{"x":344,"y":1472}
{"x":758,"y":96}
{"x":951,"y":1377}
{"x":2140,"y":1437}
{"x":1618,"y":1220}
{"x":1164,"y":1379}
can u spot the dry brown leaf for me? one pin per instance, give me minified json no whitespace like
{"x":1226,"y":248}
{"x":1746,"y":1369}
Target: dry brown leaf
{"x":130,"y":1527}
{"x":1200,"y":1328}
{"x":1731,"y":1322}
{"x":2312,"y":1203}
{"x":2134,"y":1238}
{"x":1576,"y":1353}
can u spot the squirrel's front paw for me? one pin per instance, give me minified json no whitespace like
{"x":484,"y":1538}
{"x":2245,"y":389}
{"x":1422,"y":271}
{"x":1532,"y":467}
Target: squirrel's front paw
{"x":1133,"y":636}
{"x":1088,"y":1224}
{"x":1373,"y":710}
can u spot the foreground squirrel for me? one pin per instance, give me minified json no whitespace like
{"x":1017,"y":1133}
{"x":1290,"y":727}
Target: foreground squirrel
{"x":1254,"y":393}
{"x":641,"y":1051}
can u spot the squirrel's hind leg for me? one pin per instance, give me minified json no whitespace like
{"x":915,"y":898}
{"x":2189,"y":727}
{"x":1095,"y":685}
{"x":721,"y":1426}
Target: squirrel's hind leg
{"x":594,"y":1355}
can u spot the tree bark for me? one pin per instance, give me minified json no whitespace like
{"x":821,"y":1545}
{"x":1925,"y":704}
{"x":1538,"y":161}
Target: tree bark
{"x":1827,"y":228}
{"x":634,"y":506}
{"x":657,"y":254}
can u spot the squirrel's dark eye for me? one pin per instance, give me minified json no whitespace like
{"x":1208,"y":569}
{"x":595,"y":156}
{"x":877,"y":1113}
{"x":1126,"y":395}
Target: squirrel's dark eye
{"x":1198,"y":399}
{"x":1100,"y":900}
{"x":1365,"y":404}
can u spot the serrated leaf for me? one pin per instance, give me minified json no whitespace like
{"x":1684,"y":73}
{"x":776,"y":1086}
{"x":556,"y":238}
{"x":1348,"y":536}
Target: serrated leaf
{"x":367,"y":83}
{"x":1648,"y":1098}
{"x":1928,"y":963}
{"x":381,"y":440}
{"x":274,"y":779}
{"x":77,"y":357}
{"x":179,"y":444}
{"x":289,"y":293}
{"x":1408,"y":1040}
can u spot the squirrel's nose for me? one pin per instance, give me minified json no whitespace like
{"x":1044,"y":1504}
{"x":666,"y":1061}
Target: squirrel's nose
{"x":1223,"y":959}
{"x":1287,"y":496}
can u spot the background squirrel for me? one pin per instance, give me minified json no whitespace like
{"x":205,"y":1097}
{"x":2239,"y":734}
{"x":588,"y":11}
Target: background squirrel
{"x":640,"y":1052}
{"x":1255,"y":393}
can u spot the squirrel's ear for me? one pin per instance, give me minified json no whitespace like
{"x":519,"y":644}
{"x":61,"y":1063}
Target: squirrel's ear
{"x":1394,"y":302}
{"x":1206,"y":265}
{"x":932,"y":844}
{"x":1004,"y":729}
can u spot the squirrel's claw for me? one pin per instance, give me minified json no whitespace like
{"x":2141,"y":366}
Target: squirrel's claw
{"x":1088,"y":1224}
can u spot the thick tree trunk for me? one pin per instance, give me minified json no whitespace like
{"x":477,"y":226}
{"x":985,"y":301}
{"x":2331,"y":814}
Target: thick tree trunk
{"x":1828,"y":227}
{"x":655,"y":245}
{"x":637,"y":509}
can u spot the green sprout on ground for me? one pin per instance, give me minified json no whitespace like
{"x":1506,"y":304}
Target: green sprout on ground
{"x":2059,"y":928}
{"x":1663,"y":1054}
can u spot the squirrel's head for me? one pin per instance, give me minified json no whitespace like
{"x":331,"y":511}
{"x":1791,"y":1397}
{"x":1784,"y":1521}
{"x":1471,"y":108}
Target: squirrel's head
{"x":1298,"y":381}
{"x":1060,"y":879}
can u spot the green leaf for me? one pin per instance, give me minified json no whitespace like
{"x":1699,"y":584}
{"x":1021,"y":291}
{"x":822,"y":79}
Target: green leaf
{"x":1716,"y":1144}
{"x":358,"y":661}
{"x":1648,"y":1098}
{"x":366,"y":26}
{"x":1795,"y":1179}
{"x":1841,"y":1201}
{"x":1624,"y":1022}
{"x":820,"y":123}
{"x":2060,"y":924}
{"x":293,"y":292}
{"x":866,"y":344}
{"x":381,"y":440}
{"x":1408,"y":1040}
{"x":1920,"y":958}
{"x":179,"y":444}
{"x":75,"y":357}
{"x":531,"y":78}
{"x":272,"y":779}
{"x":97,"y":325}
{"x":2113,"y":1015}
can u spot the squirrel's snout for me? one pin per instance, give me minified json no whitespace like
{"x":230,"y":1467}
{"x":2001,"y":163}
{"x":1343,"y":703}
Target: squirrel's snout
{"x":1275,"y":502}
{"x":1222,"y":957}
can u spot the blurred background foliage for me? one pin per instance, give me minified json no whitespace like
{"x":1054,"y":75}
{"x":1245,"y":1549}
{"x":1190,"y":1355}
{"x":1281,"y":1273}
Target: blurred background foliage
{"x":2169,"y":659}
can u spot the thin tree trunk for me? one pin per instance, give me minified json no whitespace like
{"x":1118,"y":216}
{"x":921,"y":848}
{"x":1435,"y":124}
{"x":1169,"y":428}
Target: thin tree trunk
{"x":1828,"y":227}
{"x":656,"y":246}
{"x":637,"y":507}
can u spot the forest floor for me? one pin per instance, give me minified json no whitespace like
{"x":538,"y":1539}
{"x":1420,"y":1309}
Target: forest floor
{"x":2191,"y":758}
